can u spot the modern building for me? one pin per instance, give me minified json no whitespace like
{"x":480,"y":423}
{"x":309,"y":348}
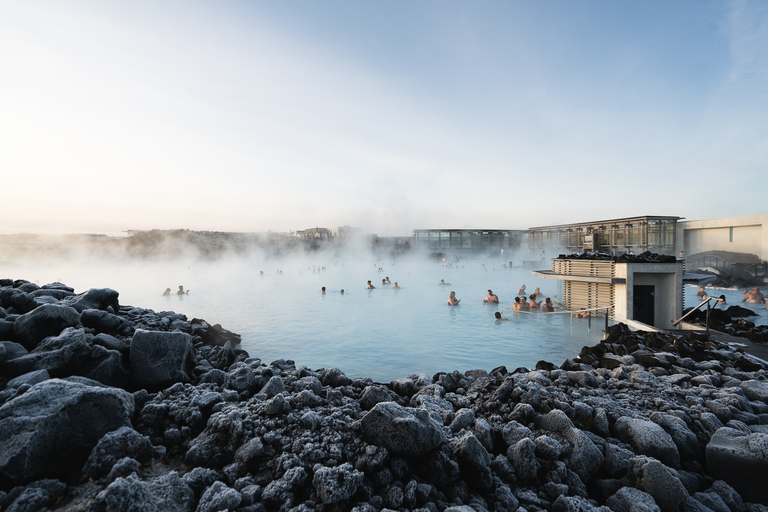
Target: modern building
{"x":748,"y":235}
{"x":461,"y":241}
{"x":648,"y":292}
{"x":614,"y":236}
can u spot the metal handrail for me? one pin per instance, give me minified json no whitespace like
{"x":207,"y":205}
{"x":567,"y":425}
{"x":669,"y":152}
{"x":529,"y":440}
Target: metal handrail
{"x":709,"y":308}
{"x":570,"y":312}
{"x":705,"y":301}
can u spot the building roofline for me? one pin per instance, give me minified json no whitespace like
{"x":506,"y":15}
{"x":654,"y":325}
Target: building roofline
{"x":608,"y":221}
{"x":454,"y":230}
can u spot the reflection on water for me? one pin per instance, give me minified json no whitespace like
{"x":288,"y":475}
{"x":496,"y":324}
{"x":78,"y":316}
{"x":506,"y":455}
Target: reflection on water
{"x":382,"y":333}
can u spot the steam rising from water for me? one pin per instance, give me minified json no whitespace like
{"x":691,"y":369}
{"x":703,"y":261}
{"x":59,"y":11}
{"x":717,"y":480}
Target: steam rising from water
{"x":273,"y":299}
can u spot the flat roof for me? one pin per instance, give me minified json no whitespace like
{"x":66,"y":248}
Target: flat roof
{"x":454,"y":230}
{"x":610,"y":221}
{"x":549,"y":274}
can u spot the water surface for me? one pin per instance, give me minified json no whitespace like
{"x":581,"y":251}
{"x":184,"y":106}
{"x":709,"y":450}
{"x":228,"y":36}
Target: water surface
{"x":383,"y":333}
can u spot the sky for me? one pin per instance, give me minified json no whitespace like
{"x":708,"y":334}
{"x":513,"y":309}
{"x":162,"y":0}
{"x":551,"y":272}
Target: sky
{"x":388,"y":116}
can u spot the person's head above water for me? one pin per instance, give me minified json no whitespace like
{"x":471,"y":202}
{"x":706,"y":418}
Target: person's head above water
{"x":497,"y":315}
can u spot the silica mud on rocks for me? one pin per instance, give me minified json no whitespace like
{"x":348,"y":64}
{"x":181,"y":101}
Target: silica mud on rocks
{"x":112,"y":407}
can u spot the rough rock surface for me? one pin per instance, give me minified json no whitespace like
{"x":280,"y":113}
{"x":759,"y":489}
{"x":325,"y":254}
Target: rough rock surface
{"x":110,"y":407}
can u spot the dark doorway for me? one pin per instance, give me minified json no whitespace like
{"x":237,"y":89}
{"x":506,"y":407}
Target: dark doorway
{"x":643,"y":303}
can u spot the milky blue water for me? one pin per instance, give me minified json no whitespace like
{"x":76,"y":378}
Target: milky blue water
{"x":381,"y":333}
{"x":733,"y":296}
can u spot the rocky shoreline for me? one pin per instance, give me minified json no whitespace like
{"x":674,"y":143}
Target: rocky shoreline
{"x":107,"y":407}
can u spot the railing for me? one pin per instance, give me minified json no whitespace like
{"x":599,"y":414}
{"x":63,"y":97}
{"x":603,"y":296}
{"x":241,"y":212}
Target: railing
{"x":757,"y":269}
{"x":706,"y":301}
{"x":568,"y":312}
{"x":716,"y":262}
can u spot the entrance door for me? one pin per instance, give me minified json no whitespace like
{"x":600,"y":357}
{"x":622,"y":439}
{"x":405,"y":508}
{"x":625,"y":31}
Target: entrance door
{"x":643,"y":303}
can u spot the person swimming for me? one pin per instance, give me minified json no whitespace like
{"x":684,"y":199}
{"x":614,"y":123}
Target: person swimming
{"x":533,"y":303}
{"x":370,"y":286}
{"x":452,"y":300}
{"x":322,"y":290}
{"x":499,"y":318}
{"x":167,"y":291}
{"x":181,"y":291}
{"x":754,"y":297}
{"x":442,"y":282}
{"x":491,"y":297}
{"x":521,"y":291}
{"x":547,"y":307}
{"x":396,"y":286}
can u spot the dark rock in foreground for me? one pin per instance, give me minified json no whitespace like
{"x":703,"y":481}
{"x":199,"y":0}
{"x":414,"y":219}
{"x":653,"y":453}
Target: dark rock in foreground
{"x":106,"y":407}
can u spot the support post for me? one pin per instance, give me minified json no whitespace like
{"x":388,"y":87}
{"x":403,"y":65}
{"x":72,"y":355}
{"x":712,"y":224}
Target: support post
{"x":708,"y":308}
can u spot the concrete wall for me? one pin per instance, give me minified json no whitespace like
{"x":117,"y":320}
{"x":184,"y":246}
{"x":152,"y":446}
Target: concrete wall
{"x":667,"y":278}
{"x":736,"y":234}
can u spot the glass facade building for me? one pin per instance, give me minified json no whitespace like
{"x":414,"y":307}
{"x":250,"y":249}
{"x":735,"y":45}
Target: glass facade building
{"x":467,"y":240}
{"x":615,"y":236}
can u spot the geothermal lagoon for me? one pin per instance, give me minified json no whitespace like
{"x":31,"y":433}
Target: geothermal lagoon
{"x":277,"y":306}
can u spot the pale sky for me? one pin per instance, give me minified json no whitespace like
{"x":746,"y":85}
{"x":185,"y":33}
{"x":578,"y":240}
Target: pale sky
{"x":384,"y":115}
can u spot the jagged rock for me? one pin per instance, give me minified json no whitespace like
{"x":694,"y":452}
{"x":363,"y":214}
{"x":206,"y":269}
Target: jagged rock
{"x":102,"y":321}
{"x":281,"y":490}
{"x":471,"y":452}
{"x":38,"y":495}
{"x":17,"y":301}
{"x":47,"y":320}
{"x":72,"y":353}
{"x":335,"y":378}
{"x":409,"y":385}
{"x":241,"y":378}
{"x":33,"y":425}
{"x":95,"y":298}
{"x":755,"y":390}
{"x":28,"y":379}
{"x":576,"y":504}
{"x":336,"y":484}
{"x":272,"y":388}
{"x":115,"y":445}
{"x":372,"y":395}
{"x":159,"y":359}
{"x":215,"y":446}
{"x":630,"y":499}
{"x":464,"y":418}
{"x":219,"y":497}
{"x":648,"y":438}
{"x":683,"y":437}
{"x":741,"y":460}
{"x":129,"y":494}
{"x":401,"y":429}
{"x":659,"y":481}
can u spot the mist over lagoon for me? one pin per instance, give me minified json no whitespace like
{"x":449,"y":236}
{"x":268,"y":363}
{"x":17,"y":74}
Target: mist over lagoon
{"x":276,"y":304}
